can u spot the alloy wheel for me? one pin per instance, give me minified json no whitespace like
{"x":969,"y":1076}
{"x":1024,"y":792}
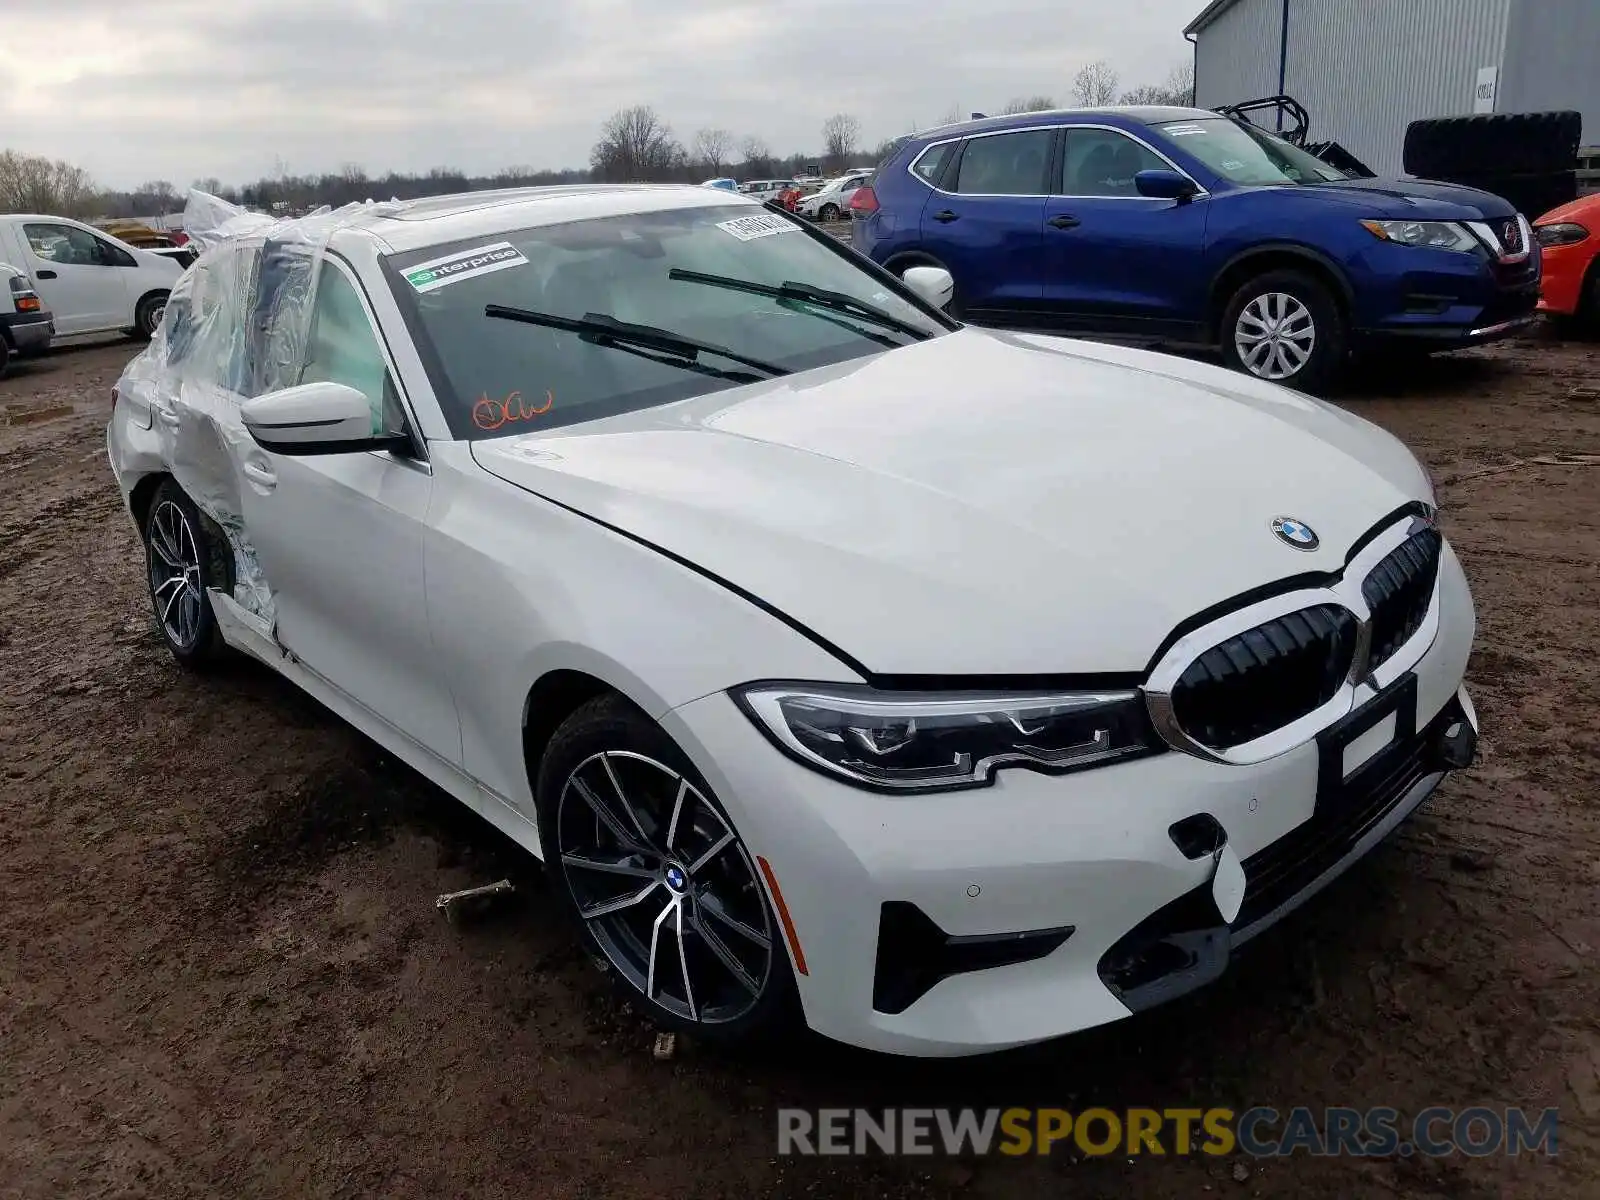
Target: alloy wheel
{"x":1275,"y":336}
{"x":175,"y":583}
{"x":153,"y":316}
{"x":665,"y":887}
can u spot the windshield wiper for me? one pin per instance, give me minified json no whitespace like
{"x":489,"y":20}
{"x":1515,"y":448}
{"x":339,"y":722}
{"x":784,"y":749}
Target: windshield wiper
{"x":823,"y":298}
{"x":600,"y":329}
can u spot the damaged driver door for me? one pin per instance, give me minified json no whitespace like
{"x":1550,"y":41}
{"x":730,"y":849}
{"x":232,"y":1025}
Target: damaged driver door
{"x":339,"y":535}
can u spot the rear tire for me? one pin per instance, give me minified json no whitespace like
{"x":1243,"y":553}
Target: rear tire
{"x":5,"y":357}
{"x":182,"y":560}
{"x":1285,"y":327}
{"x":147,"y":317}
{"x":631,"y":836}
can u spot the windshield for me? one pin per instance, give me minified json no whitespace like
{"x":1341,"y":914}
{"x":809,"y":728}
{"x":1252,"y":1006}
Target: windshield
{"x":498,"y":376}
{"x":1246,"y":155}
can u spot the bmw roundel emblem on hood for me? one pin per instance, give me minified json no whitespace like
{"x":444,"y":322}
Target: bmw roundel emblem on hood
{"x":1296,"y":533}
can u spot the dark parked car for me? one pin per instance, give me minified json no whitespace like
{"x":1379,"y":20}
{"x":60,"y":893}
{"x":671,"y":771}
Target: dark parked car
{"x":1183,"y":225}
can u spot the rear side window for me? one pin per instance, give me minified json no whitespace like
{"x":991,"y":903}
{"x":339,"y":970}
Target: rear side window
{"x":1005,"y":164}
{"x":931,"y":165}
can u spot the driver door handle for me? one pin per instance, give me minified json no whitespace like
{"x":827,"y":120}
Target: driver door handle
{"x":945,"y":216}
{"x":1064,"y":221}
{"x":261,"y":475}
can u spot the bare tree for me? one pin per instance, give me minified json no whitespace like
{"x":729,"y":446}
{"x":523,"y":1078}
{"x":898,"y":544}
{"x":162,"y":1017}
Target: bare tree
{"x":32,"y":184}
{"x":953,"y":116}
{"x":1095,"y":84}
{"x":714,"y":147}
{"x":841,"y":133}
{"x":211,"y":185}
{"x":1028,"y":104}
{"x":158,"y":196}
{"x":635,"y":145}
{"x":1180,"y":83}
{"x":1177,"y":90}
{"x":1145,"y":93}
{"x":757,"y":158}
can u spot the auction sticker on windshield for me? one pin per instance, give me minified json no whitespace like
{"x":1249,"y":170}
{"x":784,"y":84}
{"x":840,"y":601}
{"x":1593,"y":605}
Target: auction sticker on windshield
{"x":466,"y":264}
{"x":747,"y":229}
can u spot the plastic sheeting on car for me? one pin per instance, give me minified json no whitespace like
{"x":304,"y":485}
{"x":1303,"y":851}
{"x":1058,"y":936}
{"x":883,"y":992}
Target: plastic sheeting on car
{"x":235,"y":327}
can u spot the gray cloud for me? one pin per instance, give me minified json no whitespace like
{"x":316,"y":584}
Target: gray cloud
{"x":179,"y":89}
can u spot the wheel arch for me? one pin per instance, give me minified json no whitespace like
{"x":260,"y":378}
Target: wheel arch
{"x":143,"y":492}
{"x":899,"y":261}
{"x":1276,"y":256}
{"x":560,"y":691}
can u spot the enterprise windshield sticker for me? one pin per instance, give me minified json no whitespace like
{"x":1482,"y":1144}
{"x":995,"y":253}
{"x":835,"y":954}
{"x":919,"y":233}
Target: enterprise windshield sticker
{"x":747,"y":229}
{"x":469,"y":264}
{"x":1183,"y":130}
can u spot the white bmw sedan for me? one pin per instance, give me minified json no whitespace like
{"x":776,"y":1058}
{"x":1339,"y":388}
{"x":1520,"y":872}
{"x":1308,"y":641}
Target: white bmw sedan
{"x":946,"y":689}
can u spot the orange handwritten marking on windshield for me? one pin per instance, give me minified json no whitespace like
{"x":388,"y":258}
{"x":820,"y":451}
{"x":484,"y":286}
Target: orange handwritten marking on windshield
{"x":492,"y":414}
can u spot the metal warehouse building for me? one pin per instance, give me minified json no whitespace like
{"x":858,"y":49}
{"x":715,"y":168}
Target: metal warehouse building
{"x":1365,"y":69}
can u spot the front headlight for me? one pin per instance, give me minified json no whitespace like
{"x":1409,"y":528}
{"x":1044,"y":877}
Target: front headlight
{"x":939,"y":741}
{"x":1564,"y":233}
{"x":1436,"y":235}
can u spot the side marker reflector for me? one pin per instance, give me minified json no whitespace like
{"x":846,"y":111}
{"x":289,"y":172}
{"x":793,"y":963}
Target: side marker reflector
{"x":783,"y":915}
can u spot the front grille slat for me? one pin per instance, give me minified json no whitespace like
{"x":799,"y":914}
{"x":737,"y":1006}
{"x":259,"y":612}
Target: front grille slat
{"x":1399,"y":591}
{"x":1266,"y":677}
{"x":1271,"y":675}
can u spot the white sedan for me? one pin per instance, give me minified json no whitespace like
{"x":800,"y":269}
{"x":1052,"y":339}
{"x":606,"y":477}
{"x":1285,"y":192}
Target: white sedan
{"x":947,"y":689}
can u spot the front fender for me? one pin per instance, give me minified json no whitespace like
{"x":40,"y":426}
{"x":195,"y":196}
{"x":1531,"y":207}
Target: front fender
{"x":519,"y":587}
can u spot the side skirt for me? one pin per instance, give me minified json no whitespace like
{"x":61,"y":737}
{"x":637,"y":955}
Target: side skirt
{"x":248,"y":634}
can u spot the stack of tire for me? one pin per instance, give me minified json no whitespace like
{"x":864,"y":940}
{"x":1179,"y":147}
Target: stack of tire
{"x":1528,"y":159}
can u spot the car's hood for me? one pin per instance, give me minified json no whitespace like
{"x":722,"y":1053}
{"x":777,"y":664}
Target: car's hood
{"x":1418,"y":199}
{"x":1585,"y":210}
{"x":983,"y":503}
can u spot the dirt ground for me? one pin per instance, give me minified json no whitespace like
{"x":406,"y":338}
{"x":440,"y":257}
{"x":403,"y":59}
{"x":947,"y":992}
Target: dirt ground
{"x":221,"y":971}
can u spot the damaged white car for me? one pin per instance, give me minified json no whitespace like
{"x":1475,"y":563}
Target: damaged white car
{"x":947,"y":689}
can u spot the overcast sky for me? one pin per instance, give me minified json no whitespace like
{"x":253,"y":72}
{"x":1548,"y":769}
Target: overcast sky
{"x":135,"y":90}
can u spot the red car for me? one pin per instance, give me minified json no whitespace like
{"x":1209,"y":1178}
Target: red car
{"x":1570,"y":236}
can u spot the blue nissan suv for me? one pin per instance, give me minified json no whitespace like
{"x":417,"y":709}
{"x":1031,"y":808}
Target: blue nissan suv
{"x":1181,"y":226}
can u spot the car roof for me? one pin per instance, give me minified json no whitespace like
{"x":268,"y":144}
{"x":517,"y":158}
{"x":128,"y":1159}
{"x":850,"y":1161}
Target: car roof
{"x":414,"y":224}
{"x":1138,"y":114}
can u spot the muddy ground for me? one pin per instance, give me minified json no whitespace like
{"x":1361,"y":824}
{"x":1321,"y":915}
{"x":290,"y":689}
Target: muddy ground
{"x":221,"y":972}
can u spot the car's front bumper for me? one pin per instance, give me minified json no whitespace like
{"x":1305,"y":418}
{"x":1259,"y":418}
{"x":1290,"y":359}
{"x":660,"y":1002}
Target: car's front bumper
{"x":1443,"y":299}
{"x":1090,"y":853}
{"x":1566,"y":268}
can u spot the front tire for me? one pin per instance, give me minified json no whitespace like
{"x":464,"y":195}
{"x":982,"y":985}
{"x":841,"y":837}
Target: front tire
{"x":1285,"y":327}
{"x":830,"y":212}
{"x":663,"y":891}
{"x":182,"y":560}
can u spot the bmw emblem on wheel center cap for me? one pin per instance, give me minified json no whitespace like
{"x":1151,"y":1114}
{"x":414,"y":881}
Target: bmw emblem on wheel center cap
{"x":1295,"y":533}
{"x":677,"y":878}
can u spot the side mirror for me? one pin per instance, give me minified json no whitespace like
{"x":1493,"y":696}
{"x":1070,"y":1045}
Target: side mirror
{"x":933,"y":284}
{"x":315,"y":418}
{"x":1166,"y":185}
